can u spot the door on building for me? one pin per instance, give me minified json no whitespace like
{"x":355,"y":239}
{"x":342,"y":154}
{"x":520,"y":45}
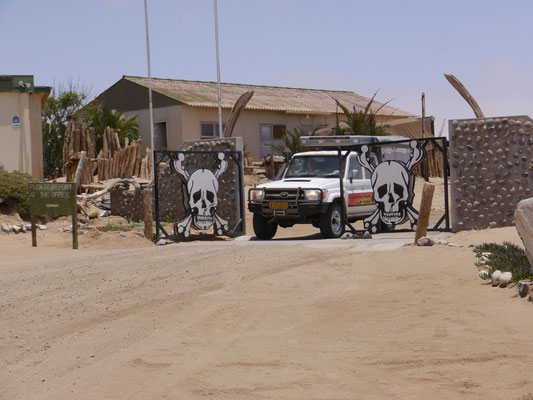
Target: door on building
{"x":270,"y":136}
{"x":160,"y":136}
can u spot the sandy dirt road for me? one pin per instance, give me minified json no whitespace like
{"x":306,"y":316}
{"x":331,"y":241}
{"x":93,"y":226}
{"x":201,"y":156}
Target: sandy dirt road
{"x":229,"y":320}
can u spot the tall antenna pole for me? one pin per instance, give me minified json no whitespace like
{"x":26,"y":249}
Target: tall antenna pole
{"x":423,"y":115}
{"x":149,"y":87}
{"x":218,"y":72}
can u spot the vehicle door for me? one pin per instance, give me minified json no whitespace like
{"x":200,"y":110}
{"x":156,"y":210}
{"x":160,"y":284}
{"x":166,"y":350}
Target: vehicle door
{"x":359,"y":201}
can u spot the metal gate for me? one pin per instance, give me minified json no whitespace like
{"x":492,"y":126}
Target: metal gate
{"x":384,"y":182}
{"x":199,"y":190}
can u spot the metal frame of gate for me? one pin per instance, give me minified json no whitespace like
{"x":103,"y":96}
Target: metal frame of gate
{"x":235,"y":156}
{"x":440,"y":143}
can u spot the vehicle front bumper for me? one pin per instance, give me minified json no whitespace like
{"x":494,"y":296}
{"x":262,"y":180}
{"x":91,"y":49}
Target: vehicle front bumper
{"x":300,"y":211}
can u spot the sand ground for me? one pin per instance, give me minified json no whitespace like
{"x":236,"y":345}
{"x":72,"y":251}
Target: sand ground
{"x":123,"y":319}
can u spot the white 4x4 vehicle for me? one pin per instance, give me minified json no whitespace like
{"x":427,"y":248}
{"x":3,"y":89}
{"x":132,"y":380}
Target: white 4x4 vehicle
{"x":309,"y":192}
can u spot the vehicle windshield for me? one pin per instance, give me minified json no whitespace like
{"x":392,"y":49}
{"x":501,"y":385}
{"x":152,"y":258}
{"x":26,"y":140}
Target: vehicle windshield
{"x":313,"y":166}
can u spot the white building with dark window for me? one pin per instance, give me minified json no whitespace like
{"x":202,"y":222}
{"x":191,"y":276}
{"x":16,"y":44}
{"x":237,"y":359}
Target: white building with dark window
{"x":187,"y":110}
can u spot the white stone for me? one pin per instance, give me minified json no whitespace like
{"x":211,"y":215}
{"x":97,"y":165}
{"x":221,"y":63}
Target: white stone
{"x":41,"y":227}
{"x":505,"y":278}
{"x":483,"y":274}
{"x":6,"y":228}
{"x":496,"y":277}
{"x":524,"y":225}
{"x":17,"y":229}
{"x":347,"y":235}
{"x":23,"y":227}
{"x":441,"y":241}
{"x":122,"y":234}
{"x":161,"y":242}
{"x":105,"y":213}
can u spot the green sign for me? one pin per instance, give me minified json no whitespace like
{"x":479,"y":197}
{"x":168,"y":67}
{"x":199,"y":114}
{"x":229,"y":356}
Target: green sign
{"x":53,"y":199}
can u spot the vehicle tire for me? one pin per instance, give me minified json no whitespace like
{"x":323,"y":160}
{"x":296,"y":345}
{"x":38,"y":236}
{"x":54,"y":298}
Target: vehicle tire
{"x":264,"y":229}
{"x":331,"y":224}
{"x":383,"y":227}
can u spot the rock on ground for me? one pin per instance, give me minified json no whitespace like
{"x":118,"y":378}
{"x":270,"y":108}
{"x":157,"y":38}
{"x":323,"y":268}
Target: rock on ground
{"x":424,"y":241}
{"x":524,"y":225}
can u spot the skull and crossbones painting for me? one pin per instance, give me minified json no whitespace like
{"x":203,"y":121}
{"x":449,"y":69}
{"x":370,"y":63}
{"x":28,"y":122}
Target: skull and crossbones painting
{"x":393,"y":186}
{"x":202,"y":187}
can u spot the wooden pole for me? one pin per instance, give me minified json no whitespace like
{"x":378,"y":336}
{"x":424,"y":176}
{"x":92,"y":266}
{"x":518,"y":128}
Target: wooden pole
{"x":147,"y":214}
{"x":138,"y":158}
{"x":91,"y":143}
{"x":425,"y":210}
{"x":77,"y":176}
{"x":33,"y":232}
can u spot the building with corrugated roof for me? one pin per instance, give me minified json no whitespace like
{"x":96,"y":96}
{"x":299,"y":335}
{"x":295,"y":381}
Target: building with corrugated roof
{"x":188,"y":110}
{"x":21,"y":139}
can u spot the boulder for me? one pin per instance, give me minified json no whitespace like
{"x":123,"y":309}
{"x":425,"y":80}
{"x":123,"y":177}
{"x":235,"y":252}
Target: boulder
{"x":6,"y":228}
{"x":424,"y":241}
{"x":367,"y":235}
{"x":16,"y":229}
{"x":523,"y":288}
{"x":524,"y":225}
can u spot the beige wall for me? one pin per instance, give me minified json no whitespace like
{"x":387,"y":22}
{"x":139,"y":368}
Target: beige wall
{"x":21,"y":147}
{"x":184,"y":123}
{"x":171,"y":115}
{"x":248,"y":124}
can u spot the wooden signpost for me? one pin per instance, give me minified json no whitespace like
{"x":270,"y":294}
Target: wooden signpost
{"x":53,"y":199}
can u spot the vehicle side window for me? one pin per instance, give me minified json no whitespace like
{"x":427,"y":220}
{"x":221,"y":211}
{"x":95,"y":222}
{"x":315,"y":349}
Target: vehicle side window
{"x":354,"y":165}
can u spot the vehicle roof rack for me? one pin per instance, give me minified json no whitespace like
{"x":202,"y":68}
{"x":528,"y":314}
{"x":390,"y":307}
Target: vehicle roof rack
{"x":346,"y":141}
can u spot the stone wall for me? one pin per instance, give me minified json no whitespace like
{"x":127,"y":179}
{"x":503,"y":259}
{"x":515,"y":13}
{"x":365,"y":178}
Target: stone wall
{"x":127,"y":204}
{"x":490,"y":170}
{"x":173,"y":200}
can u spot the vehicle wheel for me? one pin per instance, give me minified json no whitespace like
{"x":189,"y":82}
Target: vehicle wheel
{"x":263,"y":229}
{"x":383,"y":227}
{"x":331,"y":224}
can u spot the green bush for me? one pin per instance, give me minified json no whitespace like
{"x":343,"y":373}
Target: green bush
{"x":506,"y":257}
{"x":14,"y":190}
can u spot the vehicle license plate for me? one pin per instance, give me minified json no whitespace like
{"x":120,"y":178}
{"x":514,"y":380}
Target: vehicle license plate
{"x":278,"y":204}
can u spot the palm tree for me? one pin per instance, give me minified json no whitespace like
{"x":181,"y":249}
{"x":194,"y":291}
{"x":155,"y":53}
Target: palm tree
{"x":291,"y":142}
{"x":124,"y":126}
{"x":362,"y":122}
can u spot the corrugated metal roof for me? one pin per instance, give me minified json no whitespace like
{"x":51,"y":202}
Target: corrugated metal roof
{"x":271,"y":98}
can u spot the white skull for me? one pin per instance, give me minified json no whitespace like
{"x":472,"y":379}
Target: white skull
{"x":203,"y":200}
{"x":390,"y":182}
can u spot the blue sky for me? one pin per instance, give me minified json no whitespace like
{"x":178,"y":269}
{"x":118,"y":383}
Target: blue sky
{"x":398,"y":48}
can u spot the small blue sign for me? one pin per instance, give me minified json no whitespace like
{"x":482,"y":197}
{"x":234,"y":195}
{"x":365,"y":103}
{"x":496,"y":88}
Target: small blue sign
{"x":15,"y":120}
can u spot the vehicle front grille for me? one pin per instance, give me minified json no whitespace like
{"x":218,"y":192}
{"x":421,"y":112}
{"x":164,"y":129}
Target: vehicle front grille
{"x":282,"y":194}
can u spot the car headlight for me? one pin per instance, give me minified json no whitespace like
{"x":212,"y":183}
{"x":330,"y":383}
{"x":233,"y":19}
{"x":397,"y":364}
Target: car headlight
{"x":257,"y":194}
{"x":312,"y":194}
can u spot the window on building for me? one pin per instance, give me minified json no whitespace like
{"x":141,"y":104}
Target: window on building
{"x":210,"y":129}
{"x":160,"y":135}
{"x":270,"y":136}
